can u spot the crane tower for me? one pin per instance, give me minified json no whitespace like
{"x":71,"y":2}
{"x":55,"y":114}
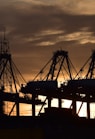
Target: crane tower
{"x":7,"y":76}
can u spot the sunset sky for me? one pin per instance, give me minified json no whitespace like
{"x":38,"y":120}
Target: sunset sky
{"x":37,"y":28}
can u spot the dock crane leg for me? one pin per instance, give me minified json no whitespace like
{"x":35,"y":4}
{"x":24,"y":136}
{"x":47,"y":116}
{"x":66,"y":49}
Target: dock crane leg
{"x":17,"y":105}
{"x":88,"y":110}
{"x":49,"y":102}
{"x":33,"y":104}
{"x":59,"y":103}
{"x":74,"y":107}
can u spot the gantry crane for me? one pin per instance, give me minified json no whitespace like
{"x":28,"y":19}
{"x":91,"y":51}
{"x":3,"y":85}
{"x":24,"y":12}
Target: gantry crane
{"x":85,"y":86}
{"x":60,"y":63}
{"x":47,"y":85}
{"x":90,"y":73}
{"x":7,"y":75}
{"x":9,"y":82}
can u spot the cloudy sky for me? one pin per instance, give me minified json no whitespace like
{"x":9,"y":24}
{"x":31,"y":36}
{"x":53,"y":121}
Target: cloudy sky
{"x":37,"y":28}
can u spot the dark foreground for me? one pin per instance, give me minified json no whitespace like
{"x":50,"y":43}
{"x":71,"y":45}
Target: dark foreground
{"x":46,"y":128}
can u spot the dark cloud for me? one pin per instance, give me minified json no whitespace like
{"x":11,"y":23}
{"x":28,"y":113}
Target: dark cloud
{"x":26,"y":26}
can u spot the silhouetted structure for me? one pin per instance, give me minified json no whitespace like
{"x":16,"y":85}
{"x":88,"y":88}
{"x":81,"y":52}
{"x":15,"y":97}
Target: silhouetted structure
{"x":76,"y":89}
{"x":48,"y":86}
{"x":55,"y":122}
{"x":9,"y":83}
